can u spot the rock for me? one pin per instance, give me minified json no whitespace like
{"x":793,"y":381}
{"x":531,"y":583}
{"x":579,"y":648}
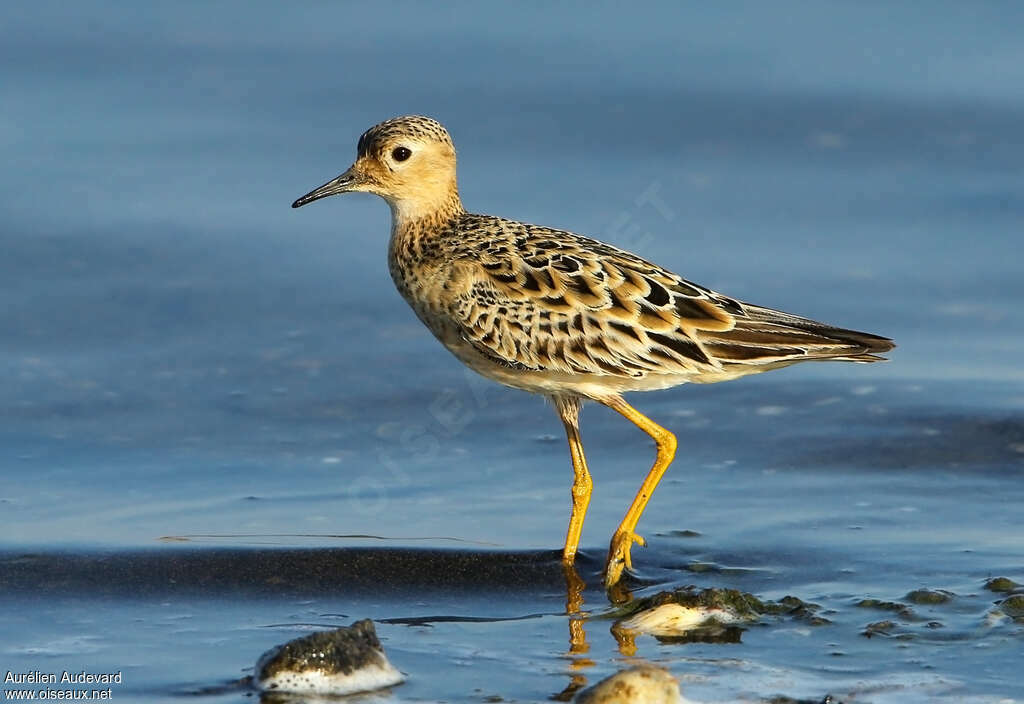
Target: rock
{"x":1013,"y":607}
{"x":1001,"y":584}
{"x":902,"y":610}
{"x":329,"y":663}
{"x":797,"y":609}
{"x":879,"y":628}
{"x":687,"y":616}
{"x":677,"y":619}
{"x":637,"y":685}
{"x":929,"y":597}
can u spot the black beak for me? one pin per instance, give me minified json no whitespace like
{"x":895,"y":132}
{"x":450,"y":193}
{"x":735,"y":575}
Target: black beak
{"x":348,"y":181}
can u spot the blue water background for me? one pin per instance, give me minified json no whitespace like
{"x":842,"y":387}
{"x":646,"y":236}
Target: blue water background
{"x":184,"y":355}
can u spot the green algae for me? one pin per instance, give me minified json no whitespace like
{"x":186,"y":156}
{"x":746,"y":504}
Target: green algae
{"x":879,"y":604}
{"x":702,"y":567}
{"x":929,"y":597}
{"x":1013,"y":606}
{"x":744,"y":605}
{"x":741,"y":605}
{"x":901,"y":609}
{"x":798,"y":609}
{"x":1001,"y":584}
{"x":680,"y":534}
{"x":887,"y":628}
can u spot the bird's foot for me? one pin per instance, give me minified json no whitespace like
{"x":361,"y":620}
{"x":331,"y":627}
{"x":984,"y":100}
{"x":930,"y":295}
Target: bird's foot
{"x":619,"y":557}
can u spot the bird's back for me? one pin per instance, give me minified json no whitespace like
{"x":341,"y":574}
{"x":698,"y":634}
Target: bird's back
{"x":539,"y":300}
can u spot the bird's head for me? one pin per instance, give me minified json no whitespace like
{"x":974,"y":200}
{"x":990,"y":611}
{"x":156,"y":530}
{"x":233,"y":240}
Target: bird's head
{"x":408,"y":161}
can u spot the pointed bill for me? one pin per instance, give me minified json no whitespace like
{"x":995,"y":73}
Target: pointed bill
{"x":348,"y":181}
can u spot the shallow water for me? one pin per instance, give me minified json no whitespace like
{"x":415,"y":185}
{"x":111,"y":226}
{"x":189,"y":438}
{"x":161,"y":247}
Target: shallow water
{"x":222,"y":427}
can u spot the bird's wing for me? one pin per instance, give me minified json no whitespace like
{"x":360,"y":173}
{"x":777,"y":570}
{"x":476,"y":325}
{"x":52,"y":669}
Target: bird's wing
{"x":546,"y":299}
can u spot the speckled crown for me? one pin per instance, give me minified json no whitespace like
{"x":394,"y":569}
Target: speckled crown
{"x":406,"y":126}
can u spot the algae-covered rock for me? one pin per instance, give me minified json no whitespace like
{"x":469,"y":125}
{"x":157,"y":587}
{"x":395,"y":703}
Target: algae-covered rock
{"x":1013,"y":606}
{"x":702,"y":567}
{"x":889,"y":629}
{"x":743,"y":605}
{"x":879,"y":628}
{"x":882,"y":605}
{"x":928,"y":597}
{"x":1001,"y":584}
{"x":682,"y":534}
{"x":329,"y":663}
{"x":637,"y":685}
{"x":686,"y":616}
{"x":691,"y":615}
{"x":669,"y":620}
{"x":797,"y":608}
{"x":900,"y":609}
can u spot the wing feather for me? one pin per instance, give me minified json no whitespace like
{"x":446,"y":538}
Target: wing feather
{"x":545,"y":299}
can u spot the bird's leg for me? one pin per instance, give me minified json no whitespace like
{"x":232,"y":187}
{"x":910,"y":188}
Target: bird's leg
{"x":625,"y":535}
{"x":569,"y":410}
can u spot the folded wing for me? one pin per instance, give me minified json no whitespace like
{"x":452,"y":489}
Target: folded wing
{"x":546,"y":299}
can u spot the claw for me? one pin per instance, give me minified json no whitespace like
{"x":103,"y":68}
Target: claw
{"x":633,"y":538}
{"x":619,"y":556}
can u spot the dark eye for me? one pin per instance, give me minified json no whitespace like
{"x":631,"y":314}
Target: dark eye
{"x":400,"y":153}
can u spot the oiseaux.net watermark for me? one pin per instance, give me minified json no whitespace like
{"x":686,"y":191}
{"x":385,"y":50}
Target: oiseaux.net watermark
{"x":64,"y":685}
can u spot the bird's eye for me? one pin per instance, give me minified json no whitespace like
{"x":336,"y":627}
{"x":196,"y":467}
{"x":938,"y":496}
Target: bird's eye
{"x":400,"y":153}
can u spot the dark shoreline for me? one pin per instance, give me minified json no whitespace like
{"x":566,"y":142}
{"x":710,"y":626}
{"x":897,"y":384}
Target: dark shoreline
{"x":279,"y":571}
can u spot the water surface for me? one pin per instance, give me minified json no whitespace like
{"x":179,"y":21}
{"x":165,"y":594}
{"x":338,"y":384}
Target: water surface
{"x":222,"y":427}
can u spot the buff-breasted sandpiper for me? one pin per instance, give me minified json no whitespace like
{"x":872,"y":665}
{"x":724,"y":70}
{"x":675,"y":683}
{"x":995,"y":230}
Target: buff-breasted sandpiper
{"x":563,"y":315}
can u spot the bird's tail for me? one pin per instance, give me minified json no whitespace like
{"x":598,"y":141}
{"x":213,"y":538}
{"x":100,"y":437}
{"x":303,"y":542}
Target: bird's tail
{"x":764,"y":336}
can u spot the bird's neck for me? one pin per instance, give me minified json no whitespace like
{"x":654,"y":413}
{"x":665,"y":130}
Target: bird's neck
{"x":417,"y":226}
{"x":426,"y":213}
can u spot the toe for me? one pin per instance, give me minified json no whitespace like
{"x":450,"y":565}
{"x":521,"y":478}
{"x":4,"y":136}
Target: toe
{"x":612,"y":573}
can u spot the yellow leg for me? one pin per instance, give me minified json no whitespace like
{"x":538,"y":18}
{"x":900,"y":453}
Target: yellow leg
{"x":568,"y":410}
{"x":625,"y":535}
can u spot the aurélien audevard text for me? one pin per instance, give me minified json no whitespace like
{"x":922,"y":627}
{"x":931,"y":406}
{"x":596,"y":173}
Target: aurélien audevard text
{"x":63,"y":677}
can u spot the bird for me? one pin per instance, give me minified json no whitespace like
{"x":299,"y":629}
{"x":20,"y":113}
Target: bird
{"x":562,"y":315}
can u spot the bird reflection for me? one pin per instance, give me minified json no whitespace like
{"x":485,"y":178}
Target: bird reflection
{"x":578,"y":645}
